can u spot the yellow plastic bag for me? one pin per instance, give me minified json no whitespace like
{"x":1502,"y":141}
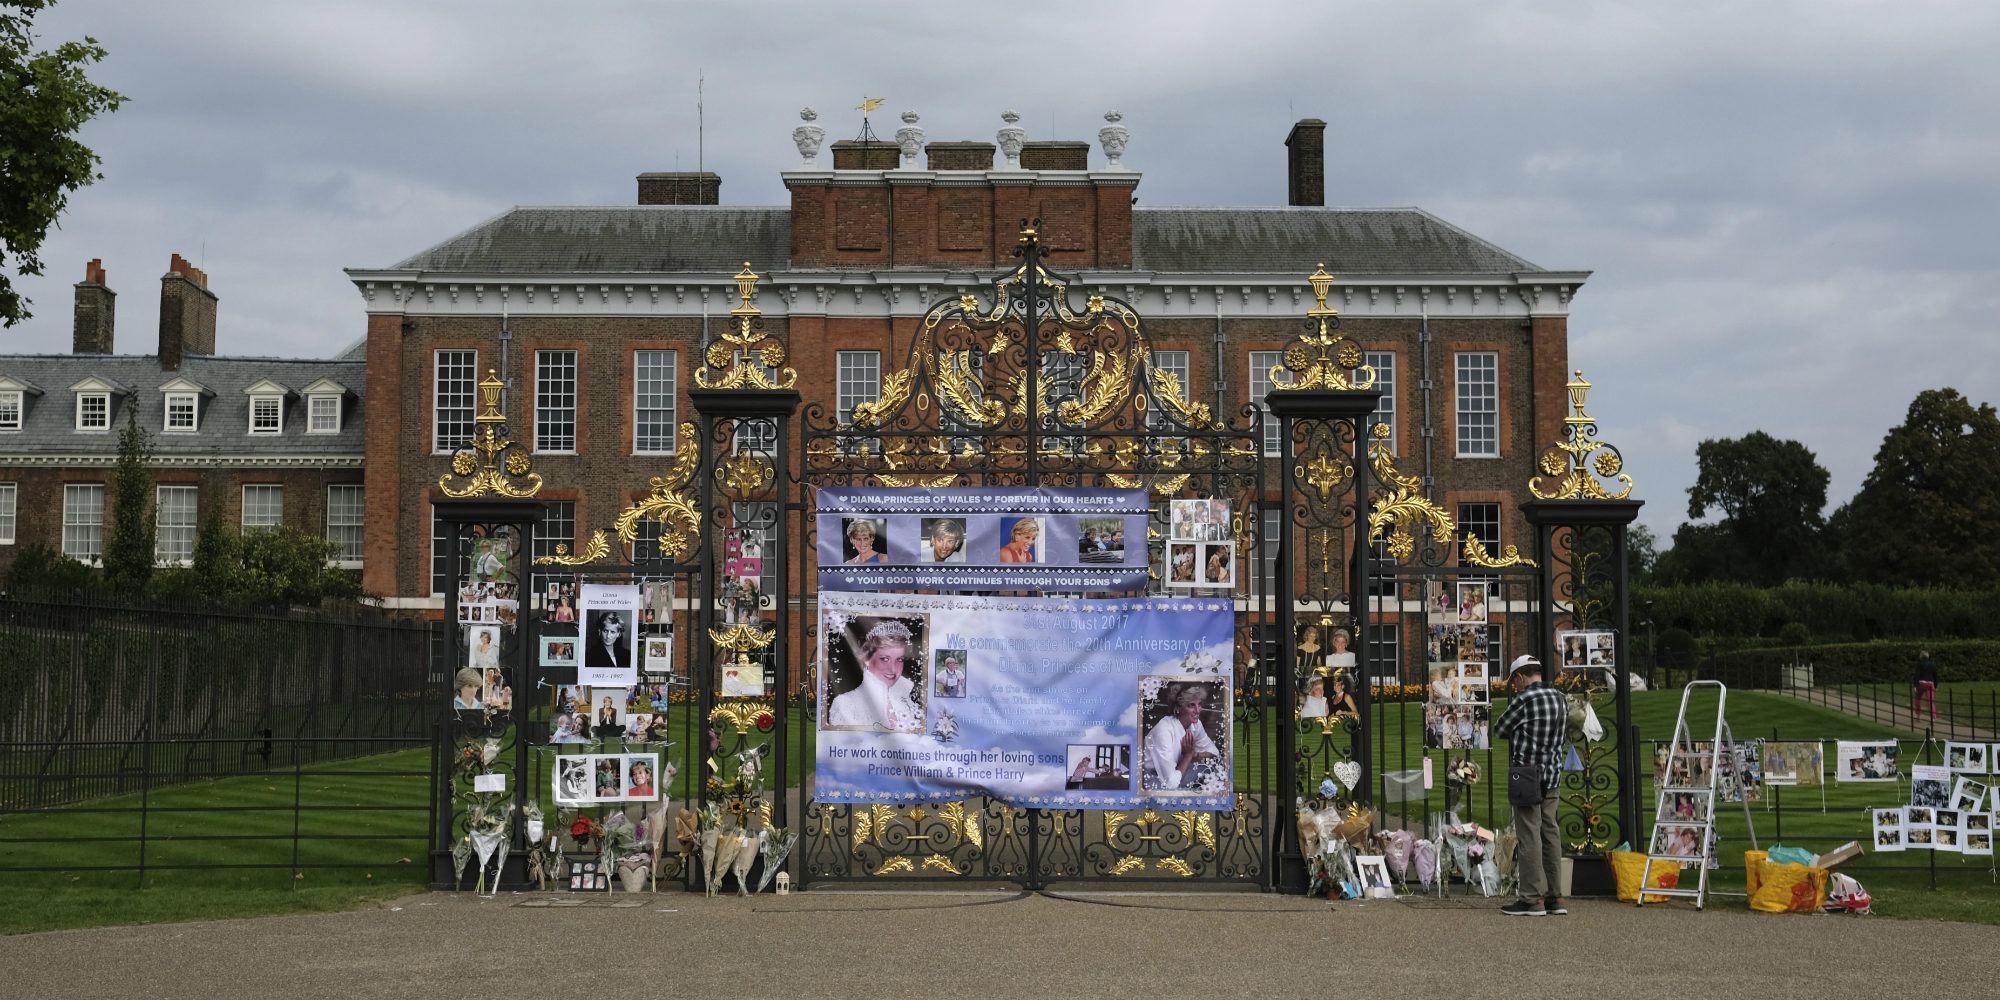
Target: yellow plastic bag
{"x":1789,"y":889}
{"x":1628,"y":867}
{"x":1752,"y":868}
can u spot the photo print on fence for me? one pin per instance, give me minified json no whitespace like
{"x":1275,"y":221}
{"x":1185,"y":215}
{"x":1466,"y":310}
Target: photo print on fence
{"x":974,"y":539}
{"x":1888,"y":829}
{"x":1794,"y":763}
{"x":1693,"y":806}
{"x":1472,"y":598}
{"x":559,"y":603}
{"x":1930,"y":786}
{"x":596,"y":778}
{"x":569,"y":714}
{"x":1967,"y":758}
{"x":1968,"y":795}
{"x":1100,"y":766}
{"x":1100,"y":540}
{"x":1865,"y":760}
{"x":659,"y":654}
{"x":558,"y":651}
{"x":1584,"y":650}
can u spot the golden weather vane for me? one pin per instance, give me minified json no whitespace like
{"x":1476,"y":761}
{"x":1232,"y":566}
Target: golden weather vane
{"x":869,"y":104}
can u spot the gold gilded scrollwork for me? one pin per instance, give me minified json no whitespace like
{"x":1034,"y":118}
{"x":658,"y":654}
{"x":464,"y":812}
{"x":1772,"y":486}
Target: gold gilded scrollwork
{"x":941,"y":862}
{"x":742,"y":343}
{"x":597,"y":548}
{"x":895,"y":390}
{"x":1167,"y":386}
{"x":1127,"y":865}
{"x":1569,"y":461}
{"x":1510,"y":555}
{"x":679,"y":520}
{"x":741,"y":714}
{"x":1323,"y":473}
{"x":895,"y":866}
{"x":491,"y":462}
{"x":744,"y":473}
{"x":1109,"y":383}
{"x":1177,"y":866}
{"x":1402,"y":509}
{"x":1336,"y":356}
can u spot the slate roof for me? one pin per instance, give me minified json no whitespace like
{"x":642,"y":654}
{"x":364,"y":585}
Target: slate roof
{"x":670,"y":238}
{"x":614,"y":240}
{"x":49,"y":425}
{"x":1296,"y":240}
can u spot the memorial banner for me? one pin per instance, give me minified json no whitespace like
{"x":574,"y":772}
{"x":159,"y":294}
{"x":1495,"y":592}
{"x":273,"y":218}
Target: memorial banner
{"x":1033,"y":701}
{"x":981,"y":538}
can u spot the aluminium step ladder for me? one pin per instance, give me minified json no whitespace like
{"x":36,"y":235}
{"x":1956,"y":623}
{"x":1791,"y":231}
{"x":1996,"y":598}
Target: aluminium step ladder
{"x":1685,"y":799}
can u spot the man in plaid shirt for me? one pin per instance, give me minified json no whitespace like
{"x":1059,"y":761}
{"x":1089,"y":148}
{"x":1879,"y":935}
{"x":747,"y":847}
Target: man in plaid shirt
{"x":1536,"y":720}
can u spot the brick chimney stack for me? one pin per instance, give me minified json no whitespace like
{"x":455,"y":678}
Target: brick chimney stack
{"x":685,"y":188}
{"x":1307,"y":161}
{"x":187,"y":314}
{"x":96,"y":308}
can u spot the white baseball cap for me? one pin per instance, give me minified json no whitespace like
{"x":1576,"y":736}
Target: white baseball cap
{"x":1523,"y":660}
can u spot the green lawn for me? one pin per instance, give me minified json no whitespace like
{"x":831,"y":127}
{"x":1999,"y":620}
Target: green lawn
{"x":375,"y":805}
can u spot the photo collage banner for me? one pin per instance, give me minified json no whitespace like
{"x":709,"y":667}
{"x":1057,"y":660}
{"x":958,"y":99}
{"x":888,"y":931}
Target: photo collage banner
{"x":488,"y":610}
{"x":981,"y":539}
{"x":1458,"y":701}
{"x":1106,"y":703}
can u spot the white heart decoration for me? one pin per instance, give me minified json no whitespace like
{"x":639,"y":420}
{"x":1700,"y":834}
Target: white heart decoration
{"x":1349,"y":773}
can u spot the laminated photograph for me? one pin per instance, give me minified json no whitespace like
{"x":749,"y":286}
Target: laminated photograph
{"x":1967,"y":758}
{"x":1865,"y":760}
{"x":1968,"y":795}
{"x":1573,"y":650}
{"x":610,"y":638}
{"x":1793,"y":763}
{"x":1930,"y":786}
{"x":1888,"y":829}
{"x":1472,"y":599}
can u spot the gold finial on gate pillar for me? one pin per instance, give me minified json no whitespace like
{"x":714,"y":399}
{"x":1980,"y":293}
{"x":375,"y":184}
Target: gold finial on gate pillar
{"x":491,"y":462}
{"x":1569,"y":461}
{"x":1337,"y":356}
{"x":739,"y":359}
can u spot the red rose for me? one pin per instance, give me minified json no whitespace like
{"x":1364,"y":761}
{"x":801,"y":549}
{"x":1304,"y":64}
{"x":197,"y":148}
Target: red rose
{"x":765,"y":722}
{"x":579,"y":828}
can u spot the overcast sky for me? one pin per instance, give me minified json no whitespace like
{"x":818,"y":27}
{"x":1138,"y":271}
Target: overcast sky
{"x":1789,"y":207}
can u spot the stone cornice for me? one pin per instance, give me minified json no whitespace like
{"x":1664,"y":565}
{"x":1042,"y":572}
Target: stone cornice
{"x":907,"y":292}
{"x":204,"y":461}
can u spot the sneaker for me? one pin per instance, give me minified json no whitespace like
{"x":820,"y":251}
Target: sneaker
{"x":1523,"y":908}
{"x":1553,"y":906}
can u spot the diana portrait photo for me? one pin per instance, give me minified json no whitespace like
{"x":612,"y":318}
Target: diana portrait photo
{"x":863,"y":540}
{"x":873,"y":676}
{"x":1022,"y":540}
{"x":1185,"y":722}
{"x":943,"y":540}
{"x":608,"y":640}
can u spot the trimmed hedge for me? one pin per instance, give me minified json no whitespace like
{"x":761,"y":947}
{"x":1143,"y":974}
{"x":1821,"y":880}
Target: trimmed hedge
{"x":1828,"y":611}
{"x":1863,"y":662}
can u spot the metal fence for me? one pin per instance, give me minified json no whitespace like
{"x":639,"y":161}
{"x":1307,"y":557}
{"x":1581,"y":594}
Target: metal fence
{"x":110,"y":710}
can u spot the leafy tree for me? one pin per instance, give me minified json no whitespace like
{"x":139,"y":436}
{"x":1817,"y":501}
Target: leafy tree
{"x":1927,"y":513}
{"x":265,"y":567}
{"x":1641,"y":552}
{"x":1770,"y":494}
{"x":44,"y":100}
{"x":128,"y":553}
{"x":41,"y":566}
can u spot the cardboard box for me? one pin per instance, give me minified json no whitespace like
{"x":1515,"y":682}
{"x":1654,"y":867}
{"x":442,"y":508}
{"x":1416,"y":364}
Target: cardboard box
{"x":1845,"y":852}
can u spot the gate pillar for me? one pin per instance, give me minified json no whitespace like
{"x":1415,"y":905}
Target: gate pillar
{"x":1321,"y":402}
{"x":1580,"y":539}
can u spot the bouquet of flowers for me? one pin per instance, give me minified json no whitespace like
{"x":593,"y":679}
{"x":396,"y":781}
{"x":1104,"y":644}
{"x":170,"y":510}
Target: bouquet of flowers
{"x":1462,"y":772}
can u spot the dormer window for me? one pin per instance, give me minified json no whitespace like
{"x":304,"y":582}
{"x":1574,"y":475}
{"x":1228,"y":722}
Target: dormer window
{"x":93,"y":411}
{"x":324,"y":401}
{"x":323,"y":414}
{"x":93,"y":403}
{"x":181,"y":402}
{"x":267,"y":414}
{"x":180,"y":411}
{"x":10,"y":410}
{"x":267,"y":407}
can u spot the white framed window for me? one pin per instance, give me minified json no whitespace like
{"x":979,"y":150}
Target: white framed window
{"x":1482,"y":521}
{"x":323,"y":414}
{"x":452,"y":400}
{"x":1261,"y":363}
{"x":1478,"y":395}
{"x":654,"y":374}
{"x":263,"y":506}
{"x":1384,"y":363}
{"x":93,"y":411}
{"x":555,"y":401}
{"x":557,"y":527}
{"x":858,"y":380}
{"x":10,"y":410}
{"x":182,"y":410}
{"x":440,"y":556}
{"x":345,"y":511}
{"x":173,"y":525}
{"x":267,"y":414}
{"x":9,"y":492}
{"x":1180,"y":365}
{"x":83,"y":521}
